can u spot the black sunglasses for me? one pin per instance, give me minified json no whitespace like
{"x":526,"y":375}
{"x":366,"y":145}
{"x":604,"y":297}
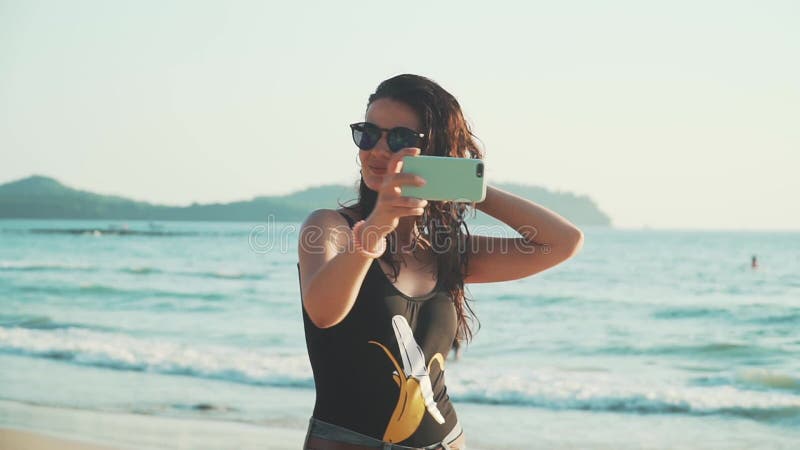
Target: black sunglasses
{"x":366,"y":136}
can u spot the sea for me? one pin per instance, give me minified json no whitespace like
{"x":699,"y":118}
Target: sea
{"x":644,"y":339}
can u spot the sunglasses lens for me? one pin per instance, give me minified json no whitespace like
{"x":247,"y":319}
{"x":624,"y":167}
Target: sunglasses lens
{"x":365,"y":136}
{"x":400,"y":138}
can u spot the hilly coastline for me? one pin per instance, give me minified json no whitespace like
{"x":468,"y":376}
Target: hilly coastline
{"x":40,"y":197}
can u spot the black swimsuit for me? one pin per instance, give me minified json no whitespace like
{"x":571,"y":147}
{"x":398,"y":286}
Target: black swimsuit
{"x":380,"y":371}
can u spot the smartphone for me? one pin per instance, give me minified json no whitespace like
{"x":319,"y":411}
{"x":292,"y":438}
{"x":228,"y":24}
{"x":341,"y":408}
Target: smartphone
{"x":447,"y":179}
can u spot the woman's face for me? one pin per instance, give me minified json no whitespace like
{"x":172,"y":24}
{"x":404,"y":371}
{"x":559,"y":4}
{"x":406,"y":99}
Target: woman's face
{"x":385,"y":113}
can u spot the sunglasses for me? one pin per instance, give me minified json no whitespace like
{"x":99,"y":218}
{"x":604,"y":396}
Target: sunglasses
{"x":366,"y":136}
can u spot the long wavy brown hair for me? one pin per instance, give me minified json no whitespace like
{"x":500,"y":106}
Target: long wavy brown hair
{"x":448,"y":134}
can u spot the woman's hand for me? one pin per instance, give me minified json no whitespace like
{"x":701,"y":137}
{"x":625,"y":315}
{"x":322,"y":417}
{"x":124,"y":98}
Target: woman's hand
{"x":391,"y":204}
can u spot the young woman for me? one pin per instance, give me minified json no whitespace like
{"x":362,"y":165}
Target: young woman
{"x":382,"y":281}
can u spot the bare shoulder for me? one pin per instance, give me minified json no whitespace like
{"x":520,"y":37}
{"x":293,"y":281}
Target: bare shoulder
{"x":321,"y":217}
{"x":329,"y":217}
{"x":350,"y":212}
{"x":323,"y":228}
{"x":322,"y":221}
{"x":323,"y":234}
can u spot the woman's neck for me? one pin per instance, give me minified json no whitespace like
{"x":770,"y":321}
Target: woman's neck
{"x":407,"y":233}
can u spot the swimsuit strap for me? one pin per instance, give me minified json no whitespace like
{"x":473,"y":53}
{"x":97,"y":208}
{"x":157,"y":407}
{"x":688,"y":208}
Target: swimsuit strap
{"x":350,"y":220}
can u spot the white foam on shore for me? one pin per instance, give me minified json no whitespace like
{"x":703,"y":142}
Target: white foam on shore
{"x":470,"y":382}
{"x":119,"y":351}
{"x":562,"y":390}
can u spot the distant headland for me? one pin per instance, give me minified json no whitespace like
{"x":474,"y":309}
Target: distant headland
{"x":40,"y":197}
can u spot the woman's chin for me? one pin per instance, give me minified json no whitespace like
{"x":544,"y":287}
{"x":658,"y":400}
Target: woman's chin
{"x":373,"y":182}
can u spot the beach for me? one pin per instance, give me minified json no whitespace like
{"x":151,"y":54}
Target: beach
{"x":26,"y":440}
{"x":27,"y":427}
{"x":193,"y":339}
{"x":38,"y":427}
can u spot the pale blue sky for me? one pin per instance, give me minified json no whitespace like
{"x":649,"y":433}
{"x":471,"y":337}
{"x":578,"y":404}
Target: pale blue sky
{"x":680,"y":114}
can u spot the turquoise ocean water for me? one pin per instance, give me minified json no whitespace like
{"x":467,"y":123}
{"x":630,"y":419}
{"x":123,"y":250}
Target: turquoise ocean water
{"x":203,"y":320}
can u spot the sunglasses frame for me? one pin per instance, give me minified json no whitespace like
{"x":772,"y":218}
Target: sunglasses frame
{"x":388,"y":132}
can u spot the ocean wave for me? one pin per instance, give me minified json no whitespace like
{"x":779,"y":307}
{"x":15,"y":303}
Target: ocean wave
{"x":91,"y":289}
{"x":17,"y":266}
{"x":691,"y":313}
{"x":771,"y":379}
{"x":140,"y":270}
{"x":706,"y":350}
{"x":753,"y":378}
{"x":778,"y":314}
{"x":122,"y":352}
{"x":568,"y":391}
{"x":228,"y":275}
{"x":40,"y":322}
{"x":113,"y":232}
{"x":483,"y":384}
{"x":534,"y":300}
{"x":791,"y":316}
{"x":220,"y":274}
{"x":130,"y":232}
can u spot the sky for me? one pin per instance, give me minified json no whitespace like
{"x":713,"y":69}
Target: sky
{"x":680,"y":114}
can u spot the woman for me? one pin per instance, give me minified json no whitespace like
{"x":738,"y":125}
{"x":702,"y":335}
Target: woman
{"x":378,"y":336}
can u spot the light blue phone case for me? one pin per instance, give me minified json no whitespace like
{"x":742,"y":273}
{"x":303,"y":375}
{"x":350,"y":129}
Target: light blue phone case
{"x":447,"y":179}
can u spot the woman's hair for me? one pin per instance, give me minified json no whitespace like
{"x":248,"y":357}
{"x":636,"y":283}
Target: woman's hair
{"x":441,"y":226}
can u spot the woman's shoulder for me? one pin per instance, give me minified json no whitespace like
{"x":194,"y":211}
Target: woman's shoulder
{"x":331,"y":218}
{"x":350,"y":214}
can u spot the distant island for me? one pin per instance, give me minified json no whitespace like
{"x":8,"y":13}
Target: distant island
{"x":40,"y":197}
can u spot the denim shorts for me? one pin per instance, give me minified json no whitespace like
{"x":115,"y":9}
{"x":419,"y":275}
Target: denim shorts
{"x":325,"y":430}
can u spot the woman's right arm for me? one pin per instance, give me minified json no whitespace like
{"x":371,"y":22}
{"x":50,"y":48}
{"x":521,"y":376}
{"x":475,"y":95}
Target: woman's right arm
{"x":331,"y":271}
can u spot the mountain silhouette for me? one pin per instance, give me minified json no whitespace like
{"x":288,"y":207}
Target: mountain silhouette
{"x":40,"y":197}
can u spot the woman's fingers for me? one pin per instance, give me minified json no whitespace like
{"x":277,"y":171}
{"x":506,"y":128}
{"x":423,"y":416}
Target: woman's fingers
{"x":403,"y":179}
{"x":396,"y":162}
{"x":391,"y":202}
{"x":402,"y":212}
{"x":409,"y":202}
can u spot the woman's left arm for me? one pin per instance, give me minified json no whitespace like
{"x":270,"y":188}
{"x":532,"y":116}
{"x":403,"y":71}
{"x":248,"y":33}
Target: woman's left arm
{"x":547,"y":239}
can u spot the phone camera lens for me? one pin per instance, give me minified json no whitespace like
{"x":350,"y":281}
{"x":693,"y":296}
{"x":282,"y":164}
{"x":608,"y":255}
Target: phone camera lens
{"x":479,"y":170}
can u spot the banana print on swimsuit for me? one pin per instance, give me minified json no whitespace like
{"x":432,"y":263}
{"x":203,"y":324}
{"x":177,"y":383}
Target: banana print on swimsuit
{"x":413,"y":379}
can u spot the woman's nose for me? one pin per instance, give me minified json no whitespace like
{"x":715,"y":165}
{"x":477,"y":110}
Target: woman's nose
{"x":383,"y":144}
